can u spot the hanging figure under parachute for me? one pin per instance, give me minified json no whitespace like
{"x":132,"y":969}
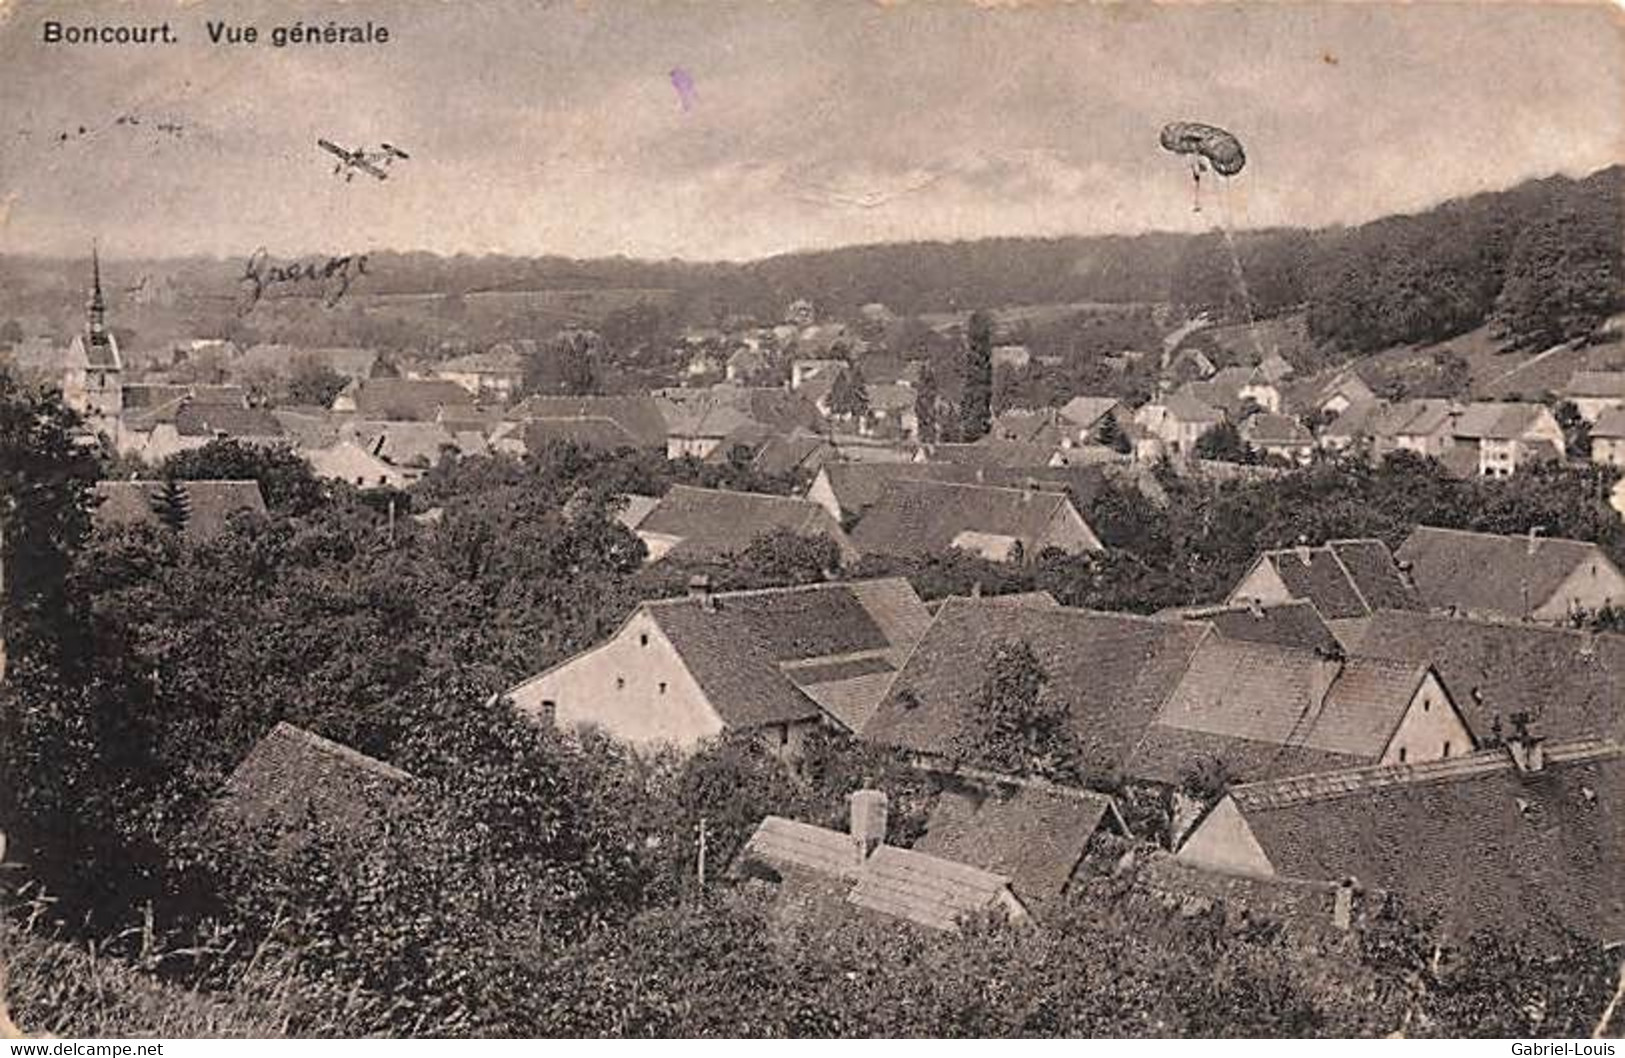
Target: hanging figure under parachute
{"x":1208,"y":146}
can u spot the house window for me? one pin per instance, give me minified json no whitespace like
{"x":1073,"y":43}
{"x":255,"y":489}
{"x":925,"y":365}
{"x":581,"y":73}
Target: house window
{"x":620,"y":683}
{"x":784,"y":734}
{"x":662,"y":686}
{"x":1402,"y":754}
{"x":1447,"y":747}
{"x":1427,"y":702}
{"x":643,"y":639}
{"x":550,"y":709}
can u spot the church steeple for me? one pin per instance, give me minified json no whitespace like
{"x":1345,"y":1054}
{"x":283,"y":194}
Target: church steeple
{"x":97,"y":308}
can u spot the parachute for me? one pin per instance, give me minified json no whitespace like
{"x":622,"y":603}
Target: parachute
{"x":1208,"y":145}
{"x":1221,"y":149}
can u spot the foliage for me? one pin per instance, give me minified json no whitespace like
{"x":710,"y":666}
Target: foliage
{"x":976,"y":379}
{"x":46,"y":475}
{"x":286,"y":479}
{"x":849,"y":395}
{"x":1016,"y":725}
{"x":314,"y":383}
{"x":1576,"y":431}
{"x":1566,"y":273}
{"x":1223,"y":442}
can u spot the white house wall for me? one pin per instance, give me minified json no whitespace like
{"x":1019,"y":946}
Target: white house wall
{"x":634,"y":687}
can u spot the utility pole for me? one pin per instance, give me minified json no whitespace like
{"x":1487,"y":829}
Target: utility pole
{"x":701,"y":870}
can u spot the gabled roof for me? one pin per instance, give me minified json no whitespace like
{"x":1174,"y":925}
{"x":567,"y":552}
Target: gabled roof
{"x":991,"y":452}
{"x":790,"y":845}
{"x":1571,"y":683}
{"x":1343,"y":578}
{"x":1269,"y":429}
{"x":601,"y":433}
{"x":1291,"y":624}
{"x":292,"y":779}
{"x":924,"y":889}
{"x":1315,"y":712}
{"x":782,"y":454}
{"x":1033,"y":833}
{"x":1469,"y":839}
{"x":639,"y":416}
{"x":1023,"y":426}
{"x":414,"y":399}
{"x":913,"y":517}
{"x":197,"y":419}
{"x":1601,"y":384}
{"x":1488,"y":574}
{"x":209,"y":504}
{"x":405,"y":444}
{"x":1610,"y":424}
{"x":713,"y":522}
{"x":1085,"y":412}
{"x":768,"y":656}
{"x":1496,"y":420}
{"x":1115,"y":670}
{"x":1186,"y":407}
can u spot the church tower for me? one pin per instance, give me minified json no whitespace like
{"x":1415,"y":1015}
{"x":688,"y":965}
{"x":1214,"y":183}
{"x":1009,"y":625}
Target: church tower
{"x":94,"y":385}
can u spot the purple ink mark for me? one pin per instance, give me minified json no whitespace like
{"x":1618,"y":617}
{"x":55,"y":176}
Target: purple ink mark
{"x":683,"y":81}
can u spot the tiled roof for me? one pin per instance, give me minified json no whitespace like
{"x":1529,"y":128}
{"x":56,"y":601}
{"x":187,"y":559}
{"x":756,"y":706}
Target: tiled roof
{"x":1344,"y":578}
{"x":780,"y":454}
{"x":639,"y":416}
{"x":789,"y":845}
{"x":1169,"y":754}
{"x":1114,"y":670}
{"x":926,"y":516}
{"x":584,"y":432}
{"x":745,"y":648}
{"x":309,"y":427}
{"x":196,"y":419}
{"x":1030,"y":832}
{"x":405,"y":444}
{"x":1292,"y":624}
{"x":1086,"y":411}
{"x":1604,"y":384}
{"x":1488,"y":574}
{"x":992,"y":453}
{"x":1572,"y":684}
{"x":1187,"y":408}
{"x":1469,"y":839}
{"x":713,"y":522}
{"x":499,"y":359}
{"x":923,"y":889}
{"x":1268,"y":429}
{"x":1495,"y":420}
{"x":1610,"y":424}
{"x":412,"y":399}
{"x":209,"y":504}
{"x":293,"y":778}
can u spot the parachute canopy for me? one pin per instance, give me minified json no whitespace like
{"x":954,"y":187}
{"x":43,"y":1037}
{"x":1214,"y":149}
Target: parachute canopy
{"x":1221,"y":149}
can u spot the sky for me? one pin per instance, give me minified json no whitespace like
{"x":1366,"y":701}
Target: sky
{"x":539,"y":128}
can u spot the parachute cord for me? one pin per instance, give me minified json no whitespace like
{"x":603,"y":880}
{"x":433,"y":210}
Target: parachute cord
{"x":1236,"y":271}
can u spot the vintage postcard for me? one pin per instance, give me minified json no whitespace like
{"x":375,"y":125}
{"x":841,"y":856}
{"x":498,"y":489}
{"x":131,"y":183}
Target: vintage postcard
{"x":812,"y":519}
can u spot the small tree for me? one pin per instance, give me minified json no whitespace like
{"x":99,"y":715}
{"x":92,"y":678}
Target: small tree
{"x":315,"y":383}
{"x":976,"y":393}
{"x":1015,"y":725}
{"x":1576,"y":431}
{"x":1110,"y":433}
{"x":172,"y":505}
{"x":849,"y":395}
{"x":925,"y":404}
{"x":1223,"y":443}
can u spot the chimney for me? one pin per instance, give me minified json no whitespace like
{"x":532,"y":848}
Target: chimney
{"x":699,"y":589}
{"x":1343,"y":905}
{"x":1527,"y":750}
{"x":868,"y":814}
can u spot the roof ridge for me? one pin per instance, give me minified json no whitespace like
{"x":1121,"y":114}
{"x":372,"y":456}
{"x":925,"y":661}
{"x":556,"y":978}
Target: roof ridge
{"x":339,"y":749}
{"x":739,"y":492}
{"x":1354,"y":582}
{"x":1525,"y":626}
{"x":1325,"y":786}
{"x":782,"y":589}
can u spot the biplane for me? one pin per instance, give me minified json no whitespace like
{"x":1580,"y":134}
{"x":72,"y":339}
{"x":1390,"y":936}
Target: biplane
{"x":373,"y":163}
